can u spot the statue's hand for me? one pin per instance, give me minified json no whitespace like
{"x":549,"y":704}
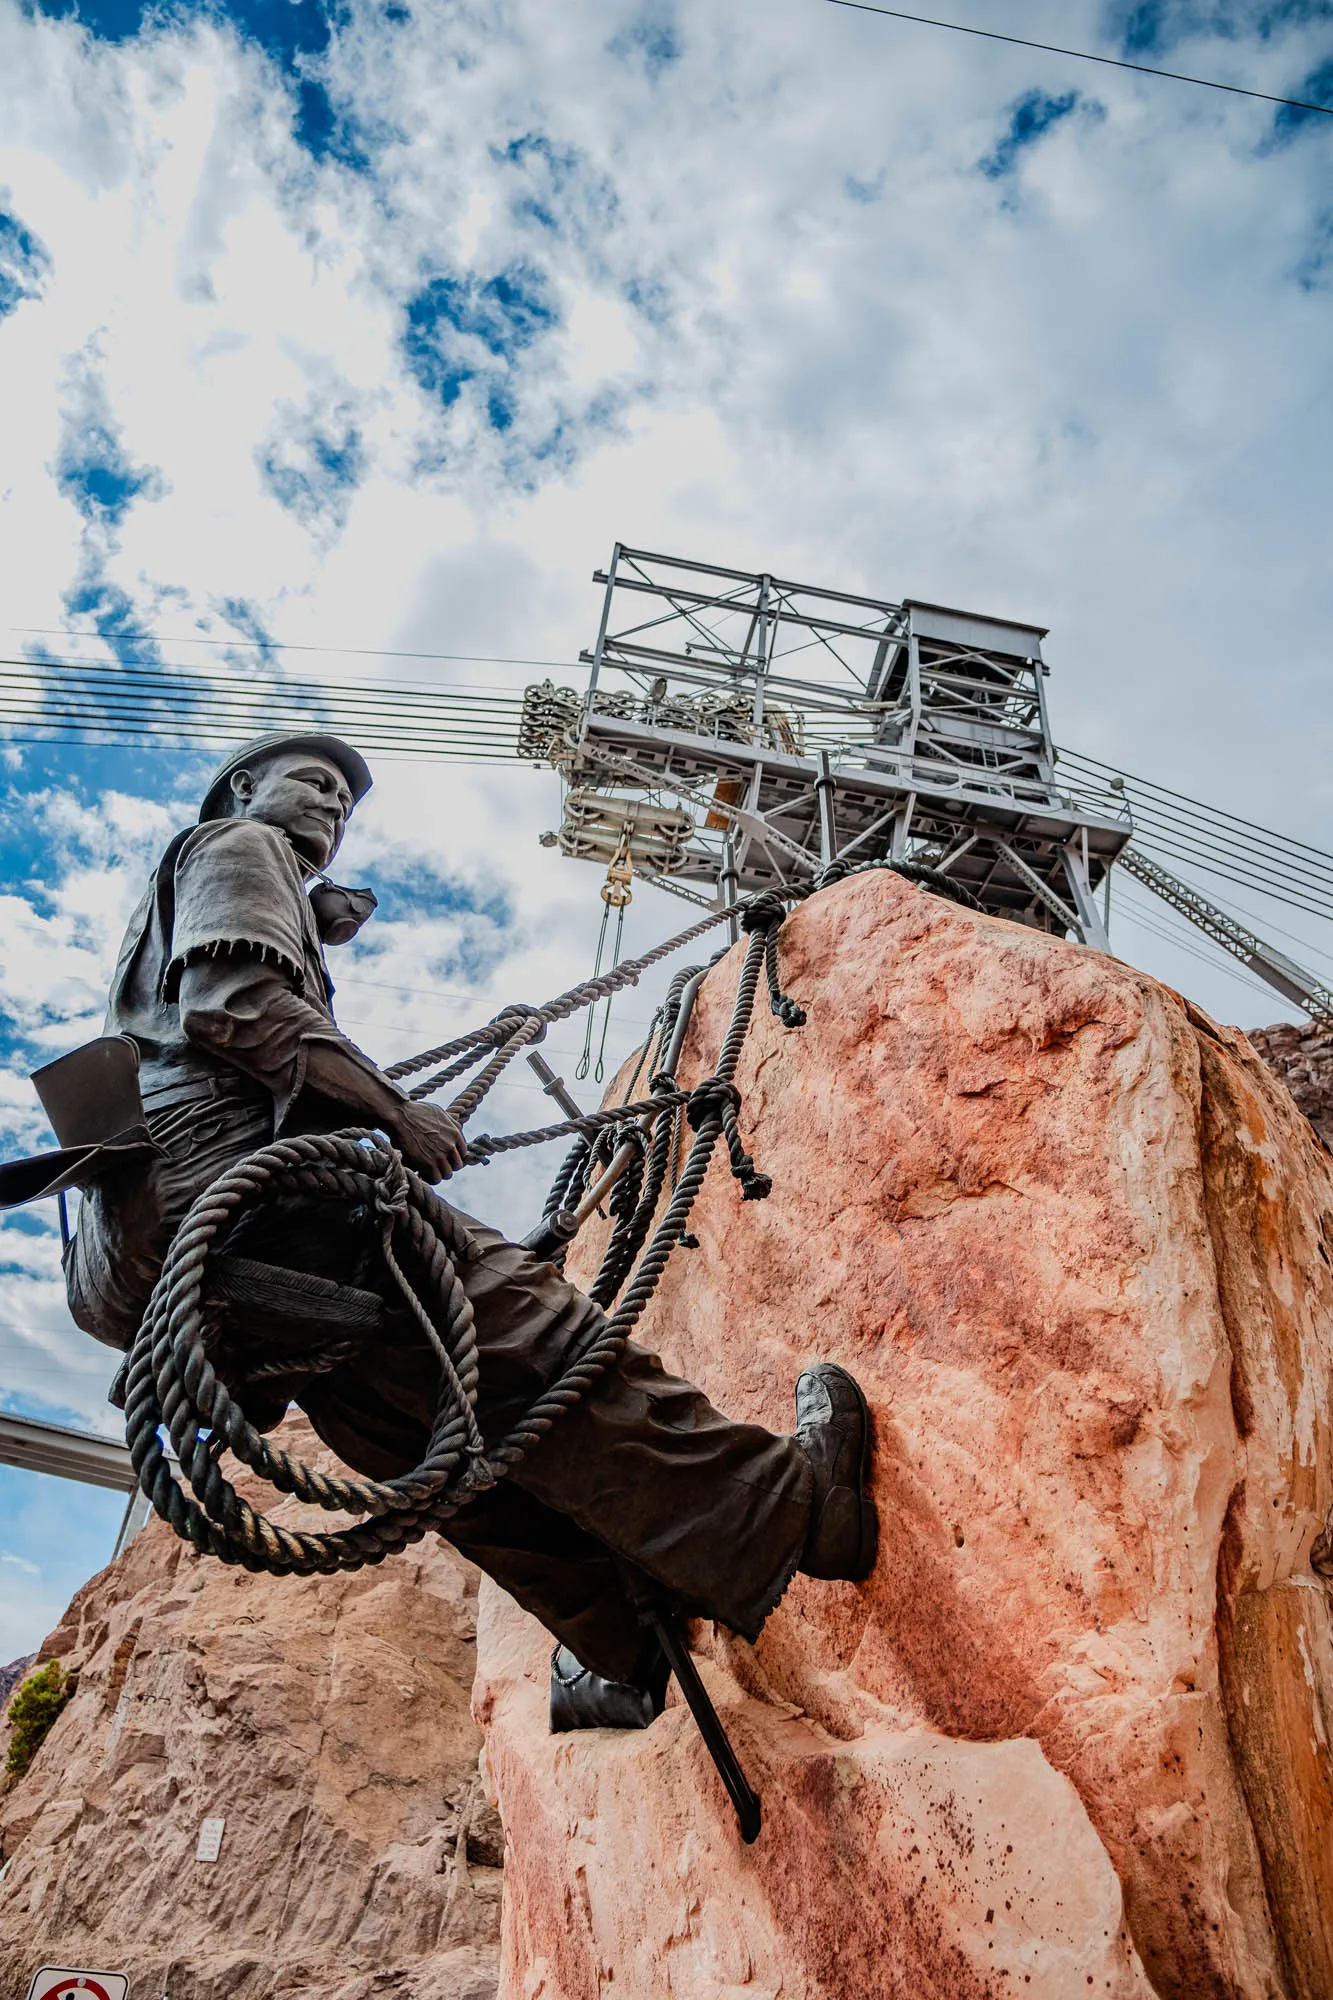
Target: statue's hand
{"x":430,"y":1140}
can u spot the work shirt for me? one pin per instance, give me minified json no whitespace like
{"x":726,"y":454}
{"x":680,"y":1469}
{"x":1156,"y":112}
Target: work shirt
{"x":222,"y":985}
{"x":227,"y":905}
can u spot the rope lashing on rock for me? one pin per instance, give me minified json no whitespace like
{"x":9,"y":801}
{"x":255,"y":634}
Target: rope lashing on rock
{"x":920,"y":873}
{"x":509,"y":1032}
{"x":172,"y":1380}
{"x":759,"y":916}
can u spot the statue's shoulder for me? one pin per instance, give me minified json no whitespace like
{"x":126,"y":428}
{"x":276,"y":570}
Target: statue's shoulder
{"x":242,"y":853}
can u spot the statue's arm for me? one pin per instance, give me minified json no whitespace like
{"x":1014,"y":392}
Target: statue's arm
{"x":245,"y":1009}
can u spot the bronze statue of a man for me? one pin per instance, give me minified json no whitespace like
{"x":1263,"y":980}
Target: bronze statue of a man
{"x":222,"y":986}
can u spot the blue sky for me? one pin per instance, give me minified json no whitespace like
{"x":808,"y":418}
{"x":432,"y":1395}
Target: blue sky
{"x":375,"y":325}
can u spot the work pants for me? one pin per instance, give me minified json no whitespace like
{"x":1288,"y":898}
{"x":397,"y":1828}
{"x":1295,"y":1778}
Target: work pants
{"x":641,"y":1487}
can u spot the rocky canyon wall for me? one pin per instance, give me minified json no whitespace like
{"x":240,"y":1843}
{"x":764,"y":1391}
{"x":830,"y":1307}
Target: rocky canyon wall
{"x":325,"y":1719}
{"x":1073,"y":1734}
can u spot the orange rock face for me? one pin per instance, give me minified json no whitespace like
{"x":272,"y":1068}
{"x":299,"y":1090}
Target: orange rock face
{"x":1073,"y":1734}
{"x":325,"y":1719}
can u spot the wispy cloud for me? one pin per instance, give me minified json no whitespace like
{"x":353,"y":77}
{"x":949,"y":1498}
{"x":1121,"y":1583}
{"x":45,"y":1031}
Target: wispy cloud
{"x":313,"y":462}
{"x":1155,"y":27}
{"x":24,"y":262}
{"x":465,"y":330}
{"x":1031,"y":118}
{"x":652,"y":38}
{"x":92,"y":468}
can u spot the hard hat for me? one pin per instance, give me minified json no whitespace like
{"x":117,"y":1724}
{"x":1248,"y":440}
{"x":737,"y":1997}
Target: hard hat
{"x":350,"y":762}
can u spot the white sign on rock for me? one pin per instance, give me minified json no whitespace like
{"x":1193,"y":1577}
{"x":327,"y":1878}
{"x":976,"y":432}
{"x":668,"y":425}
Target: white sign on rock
{"x":54,"y":1982}
{"x":210,"y":1840}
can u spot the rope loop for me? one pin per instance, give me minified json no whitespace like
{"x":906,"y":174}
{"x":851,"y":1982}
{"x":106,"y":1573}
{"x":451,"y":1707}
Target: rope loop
{"x":628,"y":1135}
{"x":172,"y":1378}
{"x":831,"y":872}
{"x":391,"y":1190}
{"x":934,"y":879}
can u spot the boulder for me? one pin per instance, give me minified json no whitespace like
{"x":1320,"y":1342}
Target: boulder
{"x":324,"y":1719}
{"x":1073,"y":1734}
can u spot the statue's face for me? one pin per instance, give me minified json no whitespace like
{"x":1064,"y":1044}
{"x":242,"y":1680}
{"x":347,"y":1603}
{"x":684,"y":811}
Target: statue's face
{"x":304,"y":795}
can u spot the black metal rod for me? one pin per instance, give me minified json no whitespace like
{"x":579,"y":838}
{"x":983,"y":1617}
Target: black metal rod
{"x":709,"y":1723}
{"x":553,"y":1085}
{"x":828,"y":833}
{"x":729,"y":883}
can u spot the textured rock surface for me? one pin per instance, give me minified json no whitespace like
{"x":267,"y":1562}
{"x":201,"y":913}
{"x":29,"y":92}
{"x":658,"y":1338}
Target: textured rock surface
{"x":11,"y":1675}
{"x":326,"y":1719}
{"x":1303,"y":1058}
{"x":1073,"y":1734}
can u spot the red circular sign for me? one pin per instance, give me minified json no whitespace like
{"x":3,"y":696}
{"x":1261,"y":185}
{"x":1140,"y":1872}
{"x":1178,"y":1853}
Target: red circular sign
{"x":77,"y":1987}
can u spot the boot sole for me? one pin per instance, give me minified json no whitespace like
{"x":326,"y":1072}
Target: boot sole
{"x":867,"y":1544}
{"x":868,"y":1548}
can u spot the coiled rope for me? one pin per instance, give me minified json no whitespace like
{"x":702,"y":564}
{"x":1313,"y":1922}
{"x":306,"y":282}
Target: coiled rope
{"x":172,"y":1381}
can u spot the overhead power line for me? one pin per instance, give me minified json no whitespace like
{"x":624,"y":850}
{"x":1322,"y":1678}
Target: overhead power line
{"x":159,"y":707}
{"x":1082,"y":55}
{"x":1178,"y":828}
{"x":1183,"y":798}
{"x":61,"y":699}
{"x":270,"y":646}
{"x":1182,"y":938}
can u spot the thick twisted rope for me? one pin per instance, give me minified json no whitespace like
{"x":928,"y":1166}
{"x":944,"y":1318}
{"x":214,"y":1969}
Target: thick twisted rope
{"x":586,"y":994}
{"x":517,"y":1027}
{"x":610,"y":1340}
{"x":171,"y":1378}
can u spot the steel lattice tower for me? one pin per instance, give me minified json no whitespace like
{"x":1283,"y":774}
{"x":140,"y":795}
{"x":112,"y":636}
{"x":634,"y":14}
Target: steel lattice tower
{"x":738,"y":725}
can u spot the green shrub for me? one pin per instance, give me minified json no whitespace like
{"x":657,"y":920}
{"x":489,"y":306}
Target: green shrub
{"x":35,"y":1706}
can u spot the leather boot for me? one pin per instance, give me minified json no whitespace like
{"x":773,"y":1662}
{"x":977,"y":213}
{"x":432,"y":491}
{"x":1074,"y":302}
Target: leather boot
{"x":581,"y":1699}
{"x":833,"y":1430}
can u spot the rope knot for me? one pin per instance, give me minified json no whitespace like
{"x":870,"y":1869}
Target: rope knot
{"x":516,"y":1014}
{"x":479,"y":1476}
{"x":833,"y":871}
{"x":763,"y":912}
{"x":714,"y":1097}
{"x":391,"y":1190}
{"x":788,"y":1012}
{"x":718,"y":1097}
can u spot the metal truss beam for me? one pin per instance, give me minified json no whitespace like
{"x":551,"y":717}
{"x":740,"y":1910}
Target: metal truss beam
{"x":1042,"y":890}
{"x":812,"y":724}
{"x":1283,"y":974}
{"x":63,"y":1453}
{"x":68,"y":1454}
